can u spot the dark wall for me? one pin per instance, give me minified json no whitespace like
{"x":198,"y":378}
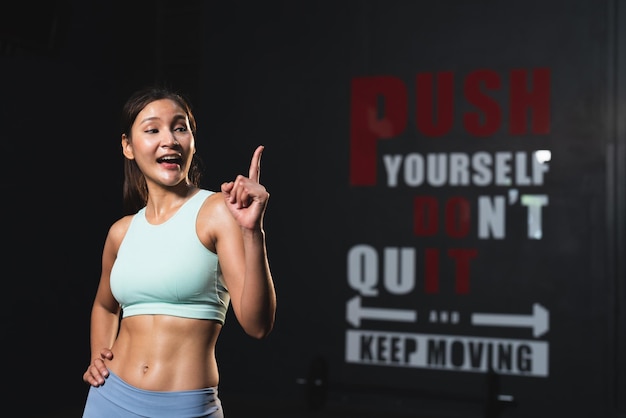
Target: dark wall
{"x":66,"y":68}
{"x":295,"y":85}
{"x":301,"y":77}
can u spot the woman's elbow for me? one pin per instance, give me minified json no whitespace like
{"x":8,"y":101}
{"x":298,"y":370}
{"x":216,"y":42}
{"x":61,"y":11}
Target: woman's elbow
{"x":260,"y":331}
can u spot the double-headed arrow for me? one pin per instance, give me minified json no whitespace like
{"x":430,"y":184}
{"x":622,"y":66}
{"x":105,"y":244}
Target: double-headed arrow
{"x":355,"y":313}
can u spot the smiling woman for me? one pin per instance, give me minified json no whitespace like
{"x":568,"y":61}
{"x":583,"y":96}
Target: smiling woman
{"x":170,"y":270}
{"x":176,"y":124}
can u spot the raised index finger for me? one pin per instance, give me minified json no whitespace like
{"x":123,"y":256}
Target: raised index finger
{"x":255,"y":164}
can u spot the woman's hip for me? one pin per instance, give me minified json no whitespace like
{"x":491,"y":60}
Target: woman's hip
{"x":117,"y":398}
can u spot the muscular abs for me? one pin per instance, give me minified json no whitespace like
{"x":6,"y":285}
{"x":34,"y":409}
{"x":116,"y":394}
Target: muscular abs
{"x":165,"y":353}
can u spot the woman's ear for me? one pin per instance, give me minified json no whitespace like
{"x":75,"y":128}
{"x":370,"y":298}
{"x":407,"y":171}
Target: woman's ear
{"x":127,"y":148}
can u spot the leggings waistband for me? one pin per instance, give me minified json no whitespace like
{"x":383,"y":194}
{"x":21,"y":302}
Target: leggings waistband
{"x":117,"y":398}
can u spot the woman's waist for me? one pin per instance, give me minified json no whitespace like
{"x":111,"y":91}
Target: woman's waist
{"x":155,"y":354}
{"x":156,"y":373}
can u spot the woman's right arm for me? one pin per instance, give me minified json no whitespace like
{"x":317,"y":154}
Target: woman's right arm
{"x":105,"y":312}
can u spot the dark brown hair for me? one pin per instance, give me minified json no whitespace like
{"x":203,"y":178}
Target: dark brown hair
{"x":135,"y":190}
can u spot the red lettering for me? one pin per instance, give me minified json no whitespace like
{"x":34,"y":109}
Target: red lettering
{"x":461,"y":258}
{"x":491,"y":119}
{"x":457,"y":217}
{"x":537,"y":101}
{"x":431,"y":270}
{"x":462,"y":273}
{"x":379,"y":110}
{"x":425,"y":217}
{"x":426,"y":100}
{"x":367,"y":126}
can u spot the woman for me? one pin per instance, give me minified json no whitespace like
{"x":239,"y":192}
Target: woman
{"x":170,"y":271}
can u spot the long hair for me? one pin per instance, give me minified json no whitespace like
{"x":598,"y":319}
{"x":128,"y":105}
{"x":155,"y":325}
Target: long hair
{"x":135,"y":189}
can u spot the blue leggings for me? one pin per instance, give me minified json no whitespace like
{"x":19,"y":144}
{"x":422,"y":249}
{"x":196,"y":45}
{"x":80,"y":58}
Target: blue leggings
{"x":117,"y":398}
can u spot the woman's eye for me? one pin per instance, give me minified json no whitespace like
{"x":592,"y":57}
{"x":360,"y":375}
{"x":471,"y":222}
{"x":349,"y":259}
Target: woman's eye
{"x":181,"y":129}
{"x":151,"y":131}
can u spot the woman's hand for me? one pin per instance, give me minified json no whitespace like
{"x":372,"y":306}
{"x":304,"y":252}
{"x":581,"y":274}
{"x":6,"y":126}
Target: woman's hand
{"x":97,"y":370}
{"x":245,"y":197}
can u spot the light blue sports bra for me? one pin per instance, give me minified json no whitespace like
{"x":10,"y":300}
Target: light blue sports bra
{"x":165,"y":269}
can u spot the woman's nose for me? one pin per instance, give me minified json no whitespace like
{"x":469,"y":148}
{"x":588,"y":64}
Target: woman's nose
{"x":171,"y":140}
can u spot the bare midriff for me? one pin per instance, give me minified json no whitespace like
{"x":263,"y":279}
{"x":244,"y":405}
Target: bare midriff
{"x":165,"y":353}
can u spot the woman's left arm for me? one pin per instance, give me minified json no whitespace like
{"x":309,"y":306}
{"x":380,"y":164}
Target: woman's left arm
{"x":250,"y":283}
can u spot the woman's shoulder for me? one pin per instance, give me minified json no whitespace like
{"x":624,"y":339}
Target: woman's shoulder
{"x":118,"y":229}
{"x":210,"y":197}
{"x":122,"y":222}
{"x":207,"y":192}
{"x":214,"y":208}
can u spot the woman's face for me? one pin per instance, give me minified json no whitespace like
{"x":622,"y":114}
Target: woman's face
{"x":161,"y":143}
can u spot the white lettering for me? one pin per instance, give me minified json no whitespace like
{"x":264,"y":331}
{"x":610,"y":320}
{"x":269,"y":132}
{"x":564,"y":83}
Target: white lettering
{"x":461,"y":169}
{"x":448,"y":352}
